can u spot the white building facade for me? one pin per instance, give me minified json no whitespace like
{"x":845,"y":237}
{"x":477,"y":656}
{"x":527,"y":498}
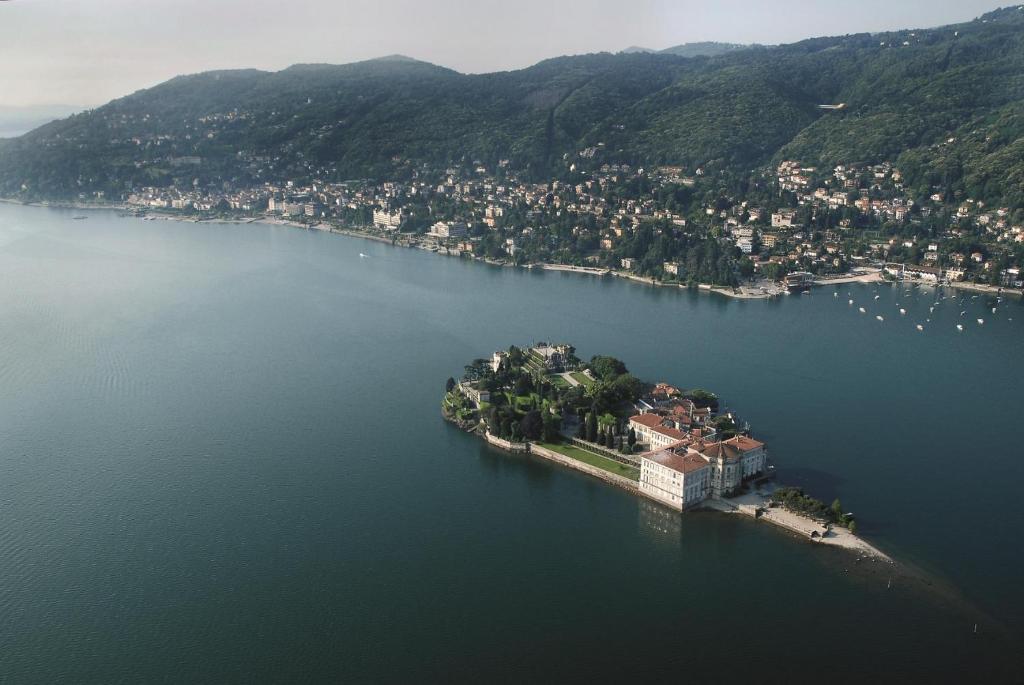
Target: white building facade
{"x":680,"y":480}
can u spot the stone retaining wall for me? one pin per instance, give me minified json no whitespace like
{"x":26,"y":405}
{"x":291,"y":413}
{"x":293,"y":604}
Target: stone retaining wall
{"x":620,"y":481}
{"x":506,"y":445}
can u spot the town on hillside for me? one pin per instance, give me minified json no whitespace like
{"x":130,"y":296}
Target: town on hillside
{"x":664,"y":224}
{"x":681,"y":448}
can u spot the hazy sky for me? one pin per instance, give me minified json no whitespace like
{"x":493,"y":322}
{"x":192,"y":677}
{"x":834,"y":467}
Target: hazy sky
{"x":86,"y":52}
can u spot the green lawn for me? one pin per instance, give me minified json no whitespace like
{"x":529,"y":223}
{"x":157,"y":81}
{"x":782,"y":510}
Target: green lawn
{"x":582,"y":378}
{"x":609,"y":465}
{"x":558,"y":381}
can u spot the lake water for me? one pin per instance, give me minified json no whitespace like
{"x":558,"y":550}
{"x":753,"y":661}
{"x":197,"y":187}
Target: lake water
{"x":222,"y":459}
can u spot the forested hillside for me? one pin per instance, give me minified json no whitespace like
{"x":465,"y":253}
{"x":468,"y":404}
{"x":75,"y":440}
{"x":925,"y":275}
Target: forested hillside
{"x":945,"y":104}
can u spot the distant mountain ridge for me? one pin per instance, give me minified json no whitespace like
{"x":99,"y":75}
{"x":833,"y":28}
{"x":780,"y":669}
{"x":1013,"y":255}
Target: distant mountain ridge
{"x":945,"y":104}
{"x":15,"y":121}
{"x":699,"y":49}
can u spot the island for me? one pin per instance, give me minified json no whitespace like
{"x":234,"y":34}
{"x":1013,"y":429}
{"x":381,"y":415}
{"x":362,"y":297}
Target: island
{"x":680,"y":448}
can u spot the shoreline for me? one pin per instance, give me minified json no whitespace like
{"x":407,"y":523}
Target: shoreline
{"x":744,"y":505}
{"x":855,"y":556}
{"x":740,"y":293}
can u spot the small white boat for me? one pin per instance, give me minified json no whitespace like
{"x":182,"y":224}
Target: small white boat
{"x":879,"y":317}
{"x":851,"y":301}
{"x":835,"y":294}
{"x":993,"y":310}
{"x":920,"y":327}
{"x":903,"y":311}
{"x":981,"y":322}
{"x":959,"y":326}
{"x":863,"y":311}
{"x":877,"y":296}
{"x":963,"y":312}
{"x":931,"y":309}
{"x":363,"y":256}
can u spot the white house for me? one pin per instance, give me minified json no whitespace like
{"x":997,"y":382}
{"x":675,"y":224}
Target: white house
{"x":679,"y":479}
{"x":732,"y":461}
{"x":449,"y":229}
{"x":386,"y":220}
{"x":655,"y":431}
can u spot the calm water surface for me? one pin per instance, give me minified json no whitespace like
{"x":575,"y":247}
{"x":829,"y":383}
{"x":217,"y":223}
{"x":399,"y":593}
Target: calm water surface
{"x":222,"y":460}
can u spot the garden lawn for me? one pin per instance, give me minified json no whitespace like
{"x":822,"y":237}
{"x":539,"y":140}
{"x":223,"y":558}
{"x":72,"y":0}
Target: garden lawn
{"x":582,"y":378}
{"x":558,"y":382}
{"x":609,"y":465}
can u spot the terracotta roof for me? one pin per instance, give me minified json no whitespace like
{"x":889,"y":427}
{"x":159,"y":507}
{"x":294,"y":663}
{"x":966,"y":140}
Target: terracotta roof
{"x":688,"y":462}
{"x":744,"y":443}
{"x":720,"y":450}
{"x":669,"y":432}
{"x":649,"y":420}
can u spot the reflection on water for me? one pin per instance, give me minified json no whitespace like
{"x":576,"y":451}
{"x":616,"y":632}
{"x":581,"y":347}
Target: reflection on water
{"x":660,"y":524}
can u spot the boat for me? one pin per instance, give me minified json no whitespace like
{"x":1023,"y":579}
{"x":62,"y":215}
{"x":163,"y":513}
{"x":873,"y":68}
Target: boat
{"x":903,"y":311}
{"x":963,"y":312}
{"x":879,"y":317}
{"x":835,"y":294}
{"x":959,"y":326}
{"x":79,"y":218}
{"x":363,"y":256}
{"x":862,"y":310}
{"x":877,"y":296}
{"x":851,"y":301}
{"x":920,"y":327}
{"x":981,"y":322}
{"x":931,"y":309}
{"x":993,"y":310}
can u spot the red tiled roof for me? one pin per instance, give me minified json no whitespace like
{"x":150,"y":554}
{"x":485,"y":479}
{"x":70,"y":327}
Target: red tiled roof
{"x":720,"y":450}
{"x":649,"y":420}
{"x":669,"y":432}
{"x":744,"y":443}
{"x":688,"y":462}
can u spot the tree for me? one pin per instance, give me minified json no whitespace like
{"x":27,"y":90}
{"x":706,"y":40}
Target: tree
{"x":606,"y":368}
{"x":725,"y":426}
{"x":591,"y":427}
{"x":531,"y":425}
{"x":551,"y":426}
{"x":703,"y":398}
{"x":449,"y":384}
{"x":852,"y":527}
{"x":837,"y":509}
{"x":632,"y":437}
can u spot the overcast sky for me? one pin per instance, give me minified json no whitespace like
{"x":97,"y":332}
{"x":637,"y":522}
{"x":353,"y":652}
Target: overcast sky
{"x":86,"y":52}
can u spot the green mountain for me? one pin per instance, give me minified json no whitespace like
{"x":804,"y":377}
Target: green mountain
{"x":944,"y":104}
